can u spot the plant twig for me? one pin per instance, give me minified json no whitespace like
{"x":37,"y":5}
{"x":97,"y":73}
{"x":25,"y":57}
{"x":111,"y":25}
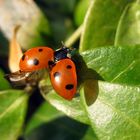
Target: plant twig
{"x":73,"y":38}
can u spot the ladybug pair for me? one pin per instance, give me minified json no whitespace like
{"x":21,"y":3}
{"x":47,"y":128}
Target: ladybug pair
{"x":62,"y":69}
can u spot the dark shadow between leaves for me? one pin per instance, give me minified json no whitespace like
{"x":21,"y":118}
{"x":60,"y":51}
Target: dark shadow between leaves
{"x":88,"y":78}
{"x":3,"y":44}
{"x":62,"y":128}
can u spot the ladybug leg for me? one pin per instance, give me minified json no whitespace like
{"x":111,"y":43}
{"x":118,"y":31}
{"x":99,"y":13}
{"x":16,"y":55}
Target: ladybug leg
{"x":17,"y":79}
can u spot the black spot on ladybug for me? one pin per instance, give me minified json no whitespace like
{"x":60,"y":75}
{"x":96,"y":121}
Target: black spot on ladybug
{"x":69,"y":66}
{"x":35,"y":61}
{"x":23,"y":57}
{"x":56,"y":74}
{"x":69,"y":86}
{"x":40,"y":50}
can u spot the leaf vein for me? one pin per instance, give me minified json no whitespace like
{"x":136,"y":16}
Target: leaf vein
{"x":123,"y":71}
{"x":119,"y":112}
{"x":12,"y":106}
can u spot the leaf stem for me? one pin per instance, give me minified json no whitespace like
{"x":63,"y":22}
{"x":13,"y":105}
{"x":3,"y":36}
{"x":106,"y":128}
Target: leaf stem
{"x":73,"y":38}
{"x":138,"y":1}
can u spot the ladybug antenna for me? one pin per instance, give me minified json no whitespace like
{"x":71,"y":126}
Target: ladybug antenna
{"x":63,"y":45}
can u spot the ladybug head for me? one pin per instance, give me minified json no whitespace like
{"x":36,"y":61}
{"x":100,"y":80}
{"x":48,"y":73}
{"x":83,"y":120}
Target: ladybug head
{"x":62,"y":53}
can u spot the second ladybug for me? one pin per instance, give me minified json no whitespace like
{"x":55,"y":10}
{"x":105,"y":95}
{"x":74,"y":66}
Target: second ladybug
{"x":63,"y":74}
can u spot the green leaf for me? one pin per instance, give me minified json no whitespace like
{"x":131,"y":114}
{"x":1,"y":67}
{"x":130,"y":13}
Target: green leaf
{"x":101,"y":22}
{"x":44,"y":114}
{"x":13,"y":106}
{"x":115,"y":64}
{"x":115,"y":113}
{"x":34,"y":29}
{"x":80,"y":11}
{"x":116,"y":109}
{"x":128,"y":31}
{"x":90,"y":135}
{"x":3,"y":82}
{"x":61,"y":104}
{"x":71,"y":108}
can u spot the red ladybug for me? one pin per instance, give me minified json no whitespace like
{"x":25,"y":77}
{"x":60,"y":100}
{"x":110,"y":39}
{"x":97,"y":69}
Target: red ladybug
{"x":36,"y":58}
{"x":63,"y":74}
{"x":62,"y":69}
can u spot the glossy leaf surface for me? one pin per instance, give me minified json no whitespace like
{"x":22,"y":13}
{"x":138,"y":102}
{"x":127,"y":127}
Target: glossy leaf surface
{"x":115,"y":113}
{"x":115,"y":64}
{"x":115,"y":109}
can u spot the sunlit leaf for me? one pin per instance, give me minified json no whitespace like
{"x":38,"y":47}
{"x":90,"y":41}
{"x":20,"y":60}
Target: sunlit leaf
{"x":71,"y":108}
{"x":115,"y":110}
{"x":115,"y":64}
{"x":107,"y":107}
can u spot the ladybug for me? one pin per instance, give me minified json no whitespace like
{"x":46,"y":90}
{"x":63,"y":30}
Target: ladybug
{"x":62,"y":69}
{"x":63,"y":74}
{"x":36,"y":59}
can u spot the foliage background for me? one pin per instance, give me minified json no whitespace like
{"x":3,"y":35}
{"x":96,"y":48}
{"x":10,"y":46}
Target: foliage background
{"x":107,"y":40}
